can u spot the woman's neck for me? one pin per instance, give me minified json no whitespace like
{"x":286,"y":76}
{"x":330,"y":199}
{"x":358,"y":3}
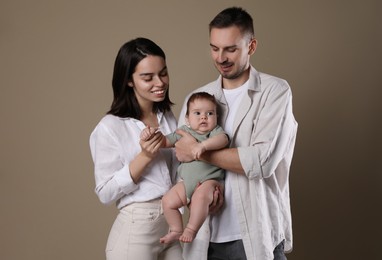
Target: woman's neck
{"x":149,"y":118}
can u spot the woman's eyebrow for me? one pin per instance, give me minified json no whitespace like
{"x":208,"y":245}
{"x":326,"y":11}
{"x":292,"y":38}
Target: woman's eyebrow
{"x":151,"y":73}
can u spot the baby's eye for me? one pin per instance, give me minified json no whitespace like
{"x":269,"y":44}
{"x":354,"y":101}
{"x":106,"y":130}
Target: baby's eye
{"x":197,"y":113}
{"x":210,"y":113}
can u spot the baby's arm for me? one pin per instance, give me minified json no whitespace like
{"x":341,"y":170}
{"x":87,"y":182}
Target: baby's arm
{"x":213,"y":143}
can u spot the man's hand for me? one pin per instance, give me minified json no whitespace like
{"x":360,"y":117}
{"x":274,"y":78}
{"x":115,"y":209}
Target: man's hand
{"x":218,"y":200}
{"x":184,"y":147}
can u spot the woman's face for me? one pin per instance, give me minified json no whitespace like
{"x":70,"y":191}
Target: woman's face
{"x":150,"y":80}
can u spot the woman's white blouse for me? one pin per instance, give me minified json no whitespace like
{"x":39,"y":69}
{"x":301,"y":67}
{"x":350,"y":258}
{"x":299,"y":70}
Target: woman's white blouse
{"x":114,"y":143}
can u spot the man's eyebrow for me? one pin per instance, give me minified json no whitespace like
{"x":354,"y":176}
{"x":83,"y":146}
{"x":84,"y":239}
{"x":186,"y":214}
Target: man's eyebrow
{"x":227,"y":47}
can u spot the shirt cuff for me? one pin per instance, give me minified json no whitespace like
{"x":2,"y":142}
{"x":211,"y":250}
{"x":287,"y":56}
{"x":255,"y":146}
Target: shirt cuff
{"x":124,"y":180}
{"x":250,"y":161}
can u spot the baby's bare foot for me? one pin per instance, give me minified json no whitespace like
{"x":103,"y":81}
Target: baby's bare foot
{"x":170,"y":237}
{"x":188,"y":235}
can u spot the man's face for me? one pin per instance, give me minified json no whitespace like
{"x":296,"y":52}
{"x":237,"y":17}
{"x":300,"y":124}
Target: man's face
{"x":230,"y":51}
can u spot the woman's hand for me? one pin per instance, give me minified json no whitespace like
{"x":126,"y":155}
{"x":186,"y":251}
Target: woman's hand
{"x":151,"y":146}
{"x":147,"y":133}
{"x":149,"y":149}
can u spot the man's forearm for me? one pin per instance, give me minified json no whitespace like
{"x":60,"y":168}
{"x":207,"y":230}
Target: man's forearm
{"x":227,"y":159}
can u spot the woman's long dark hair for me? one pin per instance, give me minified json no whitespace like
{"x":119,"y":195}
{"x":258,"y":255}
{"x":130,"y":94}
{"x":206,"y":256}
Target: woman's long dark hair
{"x":125,"y":103}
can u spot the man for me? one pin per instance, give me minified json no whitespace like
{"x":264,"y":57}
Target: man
{"x":255,"y":109}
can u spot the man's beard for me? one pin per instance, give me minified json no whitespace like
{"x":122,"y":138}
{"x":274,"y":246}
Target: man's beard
{"x":234,"y":75}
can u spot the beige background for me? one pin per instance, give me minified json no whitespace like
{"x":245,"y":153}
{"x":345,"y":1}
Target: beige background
{"x":56,"y":60}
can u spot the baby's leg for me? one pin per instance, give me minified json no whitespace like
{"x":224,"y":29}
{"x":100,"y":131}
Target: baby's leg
{"x":201,"y":199}
{"x":172,"y":201}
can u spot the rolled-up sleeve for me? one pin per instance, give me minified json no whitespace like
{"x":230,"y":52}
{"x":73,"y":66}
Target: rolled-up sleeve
{"x":272,"y":135}
{"x":250,"y":161}
{"x":112,"y":175}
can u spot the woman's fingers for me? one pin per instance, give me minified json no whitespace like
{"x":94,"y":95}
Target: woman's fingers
{"x":151,"y":146}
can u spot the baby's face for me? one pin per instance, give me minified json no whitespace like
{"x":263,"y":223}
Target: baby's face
{"x":202,"y":116}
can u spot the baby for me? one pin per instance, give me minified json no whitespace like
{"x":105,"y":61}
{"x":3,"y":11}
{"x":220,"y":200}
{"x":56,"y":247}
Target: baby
{"x":199,"y":179}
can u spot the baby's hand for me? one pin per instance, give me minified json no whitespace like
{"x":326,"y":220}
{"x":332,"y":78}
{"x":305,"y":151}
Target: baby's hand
{"x":197,"y":150}
{"x":147,"y":133}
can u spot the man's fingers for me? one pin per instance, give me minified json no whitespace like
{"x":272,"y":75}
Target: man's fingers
{"x":214,"y":200}
{"x":218,"y":201}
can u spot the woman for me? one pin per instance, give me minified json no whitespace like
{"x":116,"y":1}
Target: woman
{"x":131,"y":172}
